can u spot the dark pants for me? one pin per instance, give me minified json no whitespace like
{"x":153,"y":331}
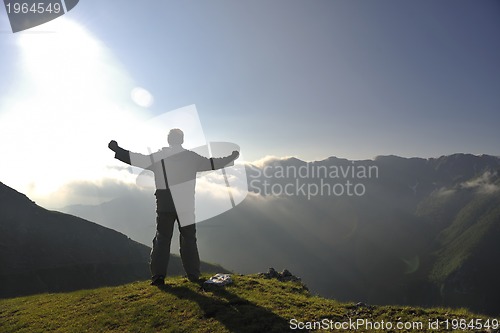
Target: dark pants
{"x":160,"y":253}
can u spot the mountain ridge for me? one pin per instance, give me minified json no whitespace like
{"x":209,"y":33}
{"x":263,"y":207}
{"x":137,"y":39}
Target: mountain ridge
{"x":251,"y":303}
{"x":383,"y":247}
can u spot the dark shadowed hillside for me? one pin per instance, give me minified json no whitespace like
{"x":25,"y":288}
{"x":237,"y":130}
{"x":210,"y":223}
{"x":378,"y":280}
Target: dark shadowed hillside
{"x":48,"y":251}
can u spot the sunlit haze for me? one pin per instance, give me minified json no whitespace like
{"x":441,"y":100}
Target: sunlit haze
{"x":278,"y":78}
{"x":69,"y":97}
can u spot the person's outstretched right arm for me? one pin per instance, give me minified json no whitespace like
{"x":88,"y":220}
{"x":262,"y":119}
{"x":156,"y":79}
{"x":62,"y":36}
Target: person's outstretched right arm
{"x":135,"y":159}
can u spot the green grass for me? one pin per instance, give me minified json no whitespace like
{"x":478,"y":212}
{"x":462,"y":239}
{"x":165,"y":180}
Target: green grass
{"x":250,"y":304}
{"x":464,"y":235}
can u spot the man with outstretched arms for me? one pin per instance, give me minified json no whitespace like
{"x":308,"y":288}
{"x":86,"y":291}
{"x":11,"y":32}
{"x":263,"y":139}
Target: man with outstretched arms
{"x":174,"y":171}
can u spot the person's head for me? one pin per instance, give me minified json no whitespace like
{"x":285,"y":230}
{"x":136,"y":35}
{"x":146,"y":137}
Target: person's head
{"x":175,"y":137}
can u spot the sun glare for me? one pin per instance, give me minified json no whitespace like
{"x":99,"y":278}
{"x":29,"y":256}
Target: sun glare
{"x":66,"y":103}
{"x":142,"y":97}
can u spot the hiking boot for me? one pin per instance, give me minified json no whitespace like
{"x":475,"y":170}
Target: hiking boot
{"x":195,"y":279}
{"x":158,"y":281}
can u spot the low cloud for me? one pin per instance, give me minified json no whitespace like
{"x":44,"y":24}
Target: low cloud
{"x":268,"y":159}
{"x":483,"y":184}
{"x":213,"y":185}
{"x":89,"y":193}
{"x":126,"y":168}
{"x":444,"y":192}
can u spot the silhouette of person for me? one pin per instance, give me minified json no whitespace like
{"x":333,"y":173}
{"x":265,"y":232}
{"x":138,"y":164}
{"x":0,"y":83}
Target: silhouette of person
{"x":174,"y":171}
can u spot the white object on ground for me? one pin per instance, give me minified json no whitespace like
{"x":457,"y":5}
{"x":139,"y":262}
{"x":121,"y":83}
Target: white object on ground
{"x":219,"y":279}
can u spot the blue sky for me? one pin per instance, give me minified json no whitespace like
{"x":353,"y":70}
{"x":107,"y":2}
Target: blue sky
{"x":317,"y":78}
{"x":312,"y":79}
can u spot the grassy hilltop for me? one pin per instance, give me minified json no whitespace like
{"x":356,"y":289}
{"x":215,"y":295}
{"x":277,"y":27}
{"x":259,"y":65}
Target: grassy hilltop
{"x":251,"y":304}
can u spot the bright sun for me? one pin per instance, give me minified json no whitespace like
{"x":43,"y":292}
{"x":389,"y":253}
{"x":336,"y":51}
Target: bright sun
{"x":66,"y":103}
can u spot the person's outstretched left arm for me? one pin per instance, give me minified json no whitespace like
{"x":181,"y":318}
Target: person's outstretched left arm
{"x":207,"y":164}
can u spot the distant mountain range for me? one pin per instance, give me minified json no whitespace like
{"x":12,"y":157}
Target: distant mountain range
{"x":48,"y":251}
{"x":412,"y":230}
